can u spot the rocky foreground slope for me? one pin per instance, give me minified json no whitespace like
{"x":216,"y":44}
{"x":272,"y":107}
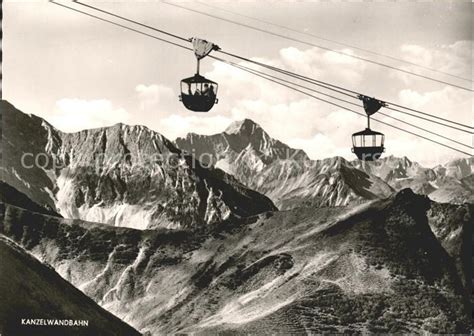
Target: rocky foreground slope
{"x":376,"y":268}
{"x":31,"y":290}
{"x":119,"y":175}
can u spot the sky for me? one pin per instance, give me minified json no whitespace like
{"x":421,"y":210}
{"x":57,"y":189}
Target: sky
{"x":78,"y":72}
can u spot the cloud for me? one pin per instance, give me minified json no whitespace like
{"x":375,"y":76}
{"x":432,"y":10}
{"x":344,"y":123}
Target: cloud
{"x":455,"y":59}
{"x":73,"y":114}
{"x":448,"y":103}
{"x":303,"y":122}
{"x":318,"y":128}
{"x":287,"y":115}
{"x":155,"y":97}
{"x":275,"y":118}
{"x":333,"y":137}
{"x":321,"y":129}
{"x":425,"y":153}
{"x":175,"y":125}
{"x":438,"y":101}
{"x":321,"y":146}
{"x":333,"y":66}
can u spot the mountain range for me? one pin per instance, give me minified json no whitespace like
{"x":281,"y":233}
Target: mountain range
{"x":120,"y":175}
{"x":290,"y":178}
{"x":448,"y":183}
{"x":233,"y":233}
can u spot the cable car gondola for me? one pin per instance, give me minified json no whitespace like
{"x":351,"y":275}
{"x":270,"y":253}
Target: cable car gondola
{"x":368,"y":145}
{"x":198,"y":93}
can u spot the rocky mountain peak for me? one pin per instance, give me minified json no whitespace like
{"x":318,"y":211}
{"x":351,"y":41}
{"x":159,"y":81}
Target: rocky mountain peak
{"x":245,"y":127}
{"x":335,"y":162}
{"x":246,"y":135}
{"x":458,"y":168}
{"x":244,"y":141}
{"x":118,"y":142}
{"x":120,"y":175}
{"x":286,"y":175}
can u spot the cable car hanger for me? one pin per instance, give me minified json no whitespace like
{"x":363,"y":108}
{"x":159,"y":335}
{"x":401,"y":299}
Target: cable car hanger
{"x":198,"y":93}
{"x":368,"y":145}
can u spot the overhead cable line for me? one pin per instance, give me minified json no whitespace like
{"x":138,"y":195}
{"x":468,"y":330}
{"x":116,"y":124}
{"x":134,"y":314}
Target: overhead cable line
{"x":316,"y":45}
{"x":270,"y":79}
{"x":347,"y":92}
{"x":119,"y":25}
{"x":267,"y":76}
{"x":361,"y":114}
{"x":131,"y":21}
{"x":332,"y":41}
{"x":326,"y":85}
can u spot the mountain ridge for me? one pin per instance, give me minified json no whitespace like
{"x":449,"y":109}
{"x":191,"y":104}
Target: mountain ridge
{"x":286,"y":175}
{"x":263,"y":273}
{"x":121,"y":175}
{"x":261,"y":163}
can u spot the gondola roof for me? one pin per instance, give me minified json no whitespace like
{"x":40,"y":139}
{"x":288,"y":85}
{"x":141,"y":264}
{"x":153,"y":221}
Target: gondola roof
{"x":198,"y":79}
{"x":367,"y":131}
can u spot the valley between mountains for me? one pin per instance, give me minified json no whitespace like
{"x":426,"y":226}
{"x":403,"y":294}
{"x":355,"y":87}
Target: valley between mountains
{"x":255,"y":239}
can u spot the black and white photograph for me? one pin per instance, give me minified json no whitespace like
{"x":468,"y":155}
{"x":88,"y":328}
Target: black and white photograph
{"x":250,"y":167}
